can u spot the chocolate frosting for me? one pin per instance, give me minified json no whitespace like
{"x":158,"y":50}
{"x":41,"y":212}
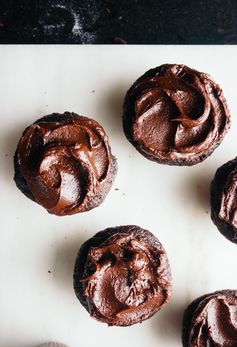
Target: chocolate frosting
{"x":66,"y":163}
{"x":175,"y":115}
{"x":126,"y":278}
{"x":223,"y":199}
{"x":212,"y":321}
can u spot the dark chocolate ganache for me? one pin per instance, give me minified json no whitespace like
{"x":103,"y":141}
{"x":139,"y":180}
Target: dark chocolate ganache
{"x":126,"y":278}
{"x":212,"y":321}
{"x":66,"y":163}
{"x":175,"y":115}
{"x":224,"y":199}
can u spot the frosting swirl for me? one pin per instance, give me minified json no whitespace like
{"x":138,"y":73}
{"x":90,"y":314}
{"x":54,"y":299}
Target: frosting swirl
{"x":126,"y":278}
{"x":66,"y":163}
{"x":213,"y":321}
{"x":175,"y":115}
{"x":223,"y":199}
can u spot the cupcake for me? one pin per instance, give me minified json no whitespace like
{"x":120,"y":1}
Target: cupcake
{"x":64,"y":163}
{"x":122,"y":275}
{"x":175,"y":115}
{"x":224,"y":200}
{"x":211,"y":320}
{"x":53,"y":344}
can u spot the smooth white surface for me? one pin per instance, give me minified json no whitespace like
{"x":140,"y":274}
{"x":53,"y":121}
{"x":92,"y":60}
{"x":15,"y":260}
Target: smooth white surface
{"x":172,"y":202}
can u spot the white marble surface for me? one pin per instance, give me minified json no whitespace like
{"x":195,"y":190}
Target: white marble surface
{"x":38,"y":306}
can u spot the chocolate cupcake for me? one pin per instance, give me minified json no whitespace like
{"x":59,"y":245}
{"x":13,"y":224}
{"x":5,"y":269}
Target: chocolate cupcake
{"x":122,"y":275}
{"x":211,"y":320}
{"x":175,"y":115}
{"x":224,"y":200}
{"x":64,"y":163}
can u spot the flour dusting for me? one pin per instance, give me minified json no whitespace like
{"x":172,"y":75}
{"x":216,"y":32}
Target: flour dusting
{"x":77,"y":30}
{"x":74,"y":20}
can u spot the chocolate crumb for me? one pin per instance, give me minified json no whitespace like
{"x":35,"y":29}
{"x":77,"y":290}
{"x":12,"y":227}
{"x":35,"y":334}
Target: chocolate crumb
{"x":120,"y":40}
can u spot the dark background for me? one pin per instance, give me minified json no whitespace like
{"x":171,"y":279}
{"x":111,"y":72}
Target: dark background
{"x":121,"y":21}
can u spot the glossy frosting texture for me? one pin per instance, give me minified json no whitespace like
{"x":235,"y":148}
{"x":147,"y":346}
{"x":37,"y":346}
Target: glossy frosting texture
{"x":126,"y":277}
{"x":224,"y":199}
{"x":176,"y":115}
{"x":213,"y":321}
{"x":66,"y":163}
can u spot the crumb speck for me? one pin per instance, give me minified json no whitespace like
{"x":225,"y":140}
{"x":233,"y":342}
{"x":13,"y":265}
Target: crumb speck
{"x":93,"y":91}
{"x":6,"y":155}
{"x":49,"y":271}
{"x":206,"y":212}
{"x":220,"y":30}
{"x":124,"y":194}
{"x":116,"y":189}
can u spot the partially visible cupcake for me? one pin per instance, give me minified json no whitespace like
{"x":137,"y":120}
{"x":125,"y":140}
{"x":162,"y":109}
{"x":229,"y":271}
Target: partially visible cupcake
{"x":211,"y":320}
{"x":122,"y":275}
{"x":175,"y":115}
{"x":53,"y":344}
{"x":224,"y":200}
{"x":64,"y":163}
